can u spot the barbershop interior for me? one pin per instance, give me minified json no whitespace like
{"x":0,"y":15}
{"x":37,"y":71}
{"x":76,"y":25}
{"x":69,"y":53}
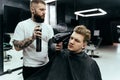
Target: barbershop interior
{"x":101,"y":17}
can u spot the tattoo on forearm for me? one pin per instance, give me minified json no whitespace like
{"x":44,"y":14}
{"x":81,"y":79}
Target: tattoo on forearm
{"x":23,"y":44}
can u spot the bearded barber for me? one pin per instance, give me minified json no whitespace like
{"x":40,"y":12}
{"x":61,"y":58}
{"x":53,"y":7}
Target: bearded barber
{"x":24,"y":38}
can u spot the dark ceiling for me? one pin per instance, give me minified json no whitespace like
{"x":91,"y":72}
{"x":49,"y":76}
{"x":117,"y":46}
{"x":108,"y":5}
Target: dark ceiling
{"x":112,"y":7}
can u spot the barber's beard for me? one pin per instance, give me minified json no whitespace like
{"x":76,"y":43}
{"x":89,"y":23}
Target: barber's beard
{"x":38,"y":19}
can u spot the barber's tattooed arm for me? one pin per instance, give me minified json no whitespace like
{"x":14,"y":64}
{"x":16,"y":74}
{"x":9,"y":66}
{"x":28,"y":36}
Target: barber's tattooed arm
{"x":19,"y":45}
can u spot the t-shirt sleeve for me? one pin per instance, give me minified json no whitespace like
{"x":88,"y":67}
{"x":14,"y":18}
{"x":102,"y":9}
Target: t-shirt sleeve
{"x":19,"y":32}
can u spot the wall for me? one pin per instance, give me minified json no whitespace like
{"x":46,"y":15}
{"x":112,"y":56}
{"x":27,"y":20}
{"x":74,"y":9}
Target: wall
{"x":115,"y":31}
{"x":60,"y":12}
{"x":15,"y":10}
{"x":65,"y":12}
{"x":1,"y":46}
{"x":50,"y":17}
{"x":22,"y":4}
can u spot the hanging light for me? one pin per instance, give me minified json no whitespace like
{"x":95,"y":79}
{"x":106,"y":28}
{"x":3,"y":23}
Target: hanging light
{"x":49,"y":1}
{"x":90,"y":12}
{"x":118,"y":26}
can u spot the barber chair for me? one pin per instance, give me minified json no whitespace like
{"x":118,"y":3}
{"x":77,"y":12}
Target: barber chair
{"x":93,"y":46}
{"x":6,"y":47}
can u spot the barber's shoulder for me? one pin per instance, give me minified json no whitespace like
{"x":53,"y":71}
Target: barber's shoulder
{"x":22,"y":23}
{"x":45,"y":24}
{"x":25,"y":21}
{"x":48,"y":27}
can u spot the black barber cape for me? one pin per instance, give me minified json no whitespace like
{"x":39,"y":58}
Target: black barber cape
{"x":67,"y":65}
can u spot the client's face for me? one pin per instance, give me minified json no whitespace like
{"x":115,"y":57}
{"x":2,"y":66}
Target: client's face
{"x":76,"y":43}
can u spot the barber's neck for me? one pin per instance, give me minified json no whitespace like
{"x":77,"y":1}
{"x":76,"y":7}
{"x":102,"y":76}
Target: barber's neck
{"x":32,"y":18}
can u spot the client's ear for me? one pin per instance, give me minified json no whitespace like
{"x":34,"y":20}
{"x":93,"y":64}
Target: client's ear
{"x":84,"y":45}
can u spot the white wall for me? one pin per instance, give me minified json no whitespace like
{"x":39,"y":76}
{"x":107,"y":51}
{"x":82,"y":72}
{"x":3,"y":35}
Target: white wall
{"x":50,"y":17}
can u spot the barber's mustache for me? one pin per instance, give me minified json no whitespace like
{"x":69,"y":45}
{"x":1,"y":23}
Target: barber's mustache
{"x":43,"y":15}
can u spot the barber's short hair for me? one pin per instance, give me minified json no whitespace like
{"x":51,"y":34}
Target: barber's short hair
{"x":37,"y":1}
{"x":81,"y":29}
